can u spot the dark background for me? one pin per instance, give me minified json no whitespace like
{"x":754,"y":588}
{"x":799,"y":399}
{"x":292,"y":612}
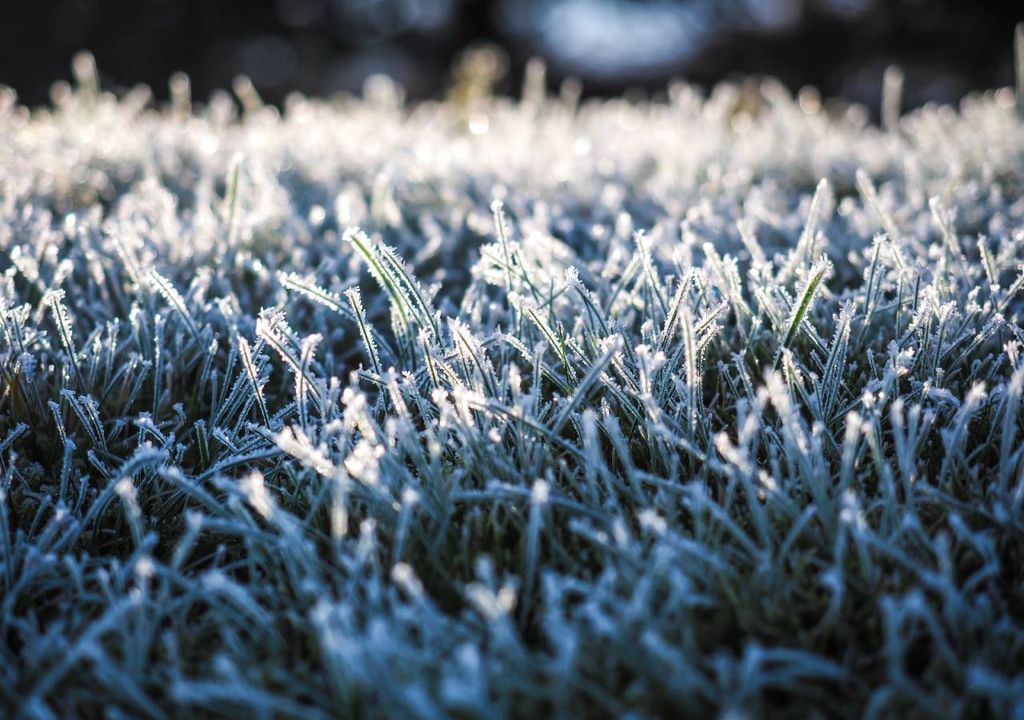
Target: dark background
{"x":945,"y":47}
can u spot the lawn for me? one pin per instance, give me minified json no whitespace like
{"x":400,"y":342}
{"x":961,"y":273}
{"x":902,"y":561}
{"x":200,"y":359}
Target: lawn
{"x":704,"y":404}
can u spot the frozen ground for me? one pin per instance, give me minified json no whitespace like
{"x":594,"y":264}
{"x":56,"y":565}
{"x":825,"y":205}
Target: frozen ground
{"x":717,"y":410}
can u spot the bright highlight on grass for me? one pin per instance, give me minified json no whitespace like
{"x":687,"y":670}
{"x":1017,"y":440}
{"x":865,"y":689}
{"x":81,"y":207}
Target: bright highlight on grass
{"x":657,"y":409}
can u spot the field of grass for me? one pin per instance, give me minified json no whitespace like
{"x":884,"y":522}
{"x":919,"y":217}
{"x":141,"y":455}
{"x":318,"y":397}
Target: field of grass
{"x":704,"y":405}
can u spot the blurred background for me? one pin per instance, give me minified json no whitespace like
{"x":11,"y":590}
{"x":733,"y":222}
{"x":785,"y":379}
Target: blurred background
{"x":946,"y":48}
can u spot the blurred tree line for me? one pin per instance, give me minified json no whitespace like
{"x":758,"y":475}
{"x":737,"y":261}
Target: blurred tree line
{"x":945,"y":47}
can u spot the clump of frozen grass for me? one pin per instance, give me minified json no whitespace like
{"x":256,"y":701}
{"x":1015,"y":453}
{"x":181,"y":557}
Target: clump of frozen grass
{"x":717,"y":410}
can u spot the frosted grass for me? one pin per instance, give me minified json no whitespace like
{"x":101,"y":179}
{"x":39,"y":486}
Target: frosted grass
{"x":489,"y":408}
